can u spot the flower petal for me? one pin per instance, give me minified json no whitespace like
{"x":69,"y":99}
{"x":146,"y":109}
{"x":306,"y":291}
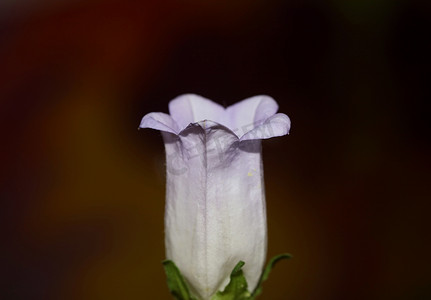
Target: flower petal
{"x":277,"y":125}
{"x":246,"y":114}
{"x":159,"y":121}
{"x":215,"y":209}
{"x":215,"y":202}
{"x":191,"y":108}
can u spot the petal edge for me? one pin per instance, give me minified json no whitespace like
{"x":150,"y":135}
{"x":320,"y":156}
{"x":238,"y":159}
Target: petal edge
{"x":277,"y":125}
{"x":159,"y":121}
{"x":191,"y":108}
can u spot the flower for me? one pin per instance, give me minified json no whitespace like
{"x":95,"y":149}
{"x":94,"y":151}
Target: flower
{"x":215,"y":203}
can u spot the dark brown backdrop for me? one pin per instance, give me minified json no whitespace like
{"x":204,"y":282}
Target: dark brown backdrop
{"x":82,"y":189}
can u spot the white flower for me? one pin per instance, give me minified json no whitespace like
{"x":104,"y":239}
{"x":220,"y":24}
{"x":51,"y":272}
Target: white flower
{"x":215,"y":203}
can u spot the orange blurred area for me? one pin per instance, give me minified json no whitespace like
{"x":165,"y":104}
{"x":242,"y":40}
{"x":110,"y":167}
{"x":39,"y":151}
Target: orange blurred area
{"x":82,"y":189}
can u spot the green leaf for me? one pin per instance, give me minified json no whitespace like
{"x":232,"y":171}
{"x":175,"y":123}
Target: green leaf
{"x":266,"y":272}
{"x":176,"y":283}
{"x":237,"y":287}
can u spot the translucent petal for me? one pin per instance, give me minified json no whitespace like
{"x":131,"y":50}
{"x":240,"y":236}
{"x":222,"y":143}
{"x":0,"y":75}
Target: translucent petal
{"x":215,"y":203}
{"x":215,"y":206}
{"x":277,"y":125}
{"x":159,"y":121}
{"x":246,"y":114}
{"x":190,"y":108}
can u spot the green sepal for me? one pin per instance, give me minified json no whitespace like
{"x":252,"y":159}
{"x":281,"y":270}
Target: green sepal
{"x":266,"y":272}
{"x":235,"y":290}
{"x":237,"y":287}
{"x":176,"y":282}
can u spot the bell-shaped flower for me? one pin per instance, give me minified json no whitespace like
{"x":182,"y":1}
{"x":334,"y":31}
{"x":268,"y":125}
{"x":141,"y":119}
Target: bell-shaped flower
{"x":215,"y":202}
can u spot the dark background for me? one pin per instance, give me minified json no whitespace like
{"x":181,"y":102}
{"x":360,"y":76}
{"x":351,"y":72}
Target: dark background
{"x":82,"y":190}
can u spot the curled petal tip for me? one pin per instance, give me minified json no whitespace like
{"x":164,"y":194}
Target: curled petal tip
{"x":277,"y":125}
{"x":159,"y":121}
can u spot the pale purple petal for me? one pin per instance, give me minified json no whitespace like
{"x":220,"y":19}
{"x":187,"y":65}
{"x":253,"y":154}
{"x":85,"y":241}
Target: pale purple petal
{"x":246,"y":114}
{"x":190,"y":108}
{"x":215,"y":209}
{"x":215,"y":202}
{"x":159,"y":121}
{"x":277,"y":125}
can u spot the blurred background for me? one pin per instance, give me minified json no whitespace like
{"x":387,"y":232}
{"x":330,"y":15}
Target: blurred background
{"x":82,"y":190}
